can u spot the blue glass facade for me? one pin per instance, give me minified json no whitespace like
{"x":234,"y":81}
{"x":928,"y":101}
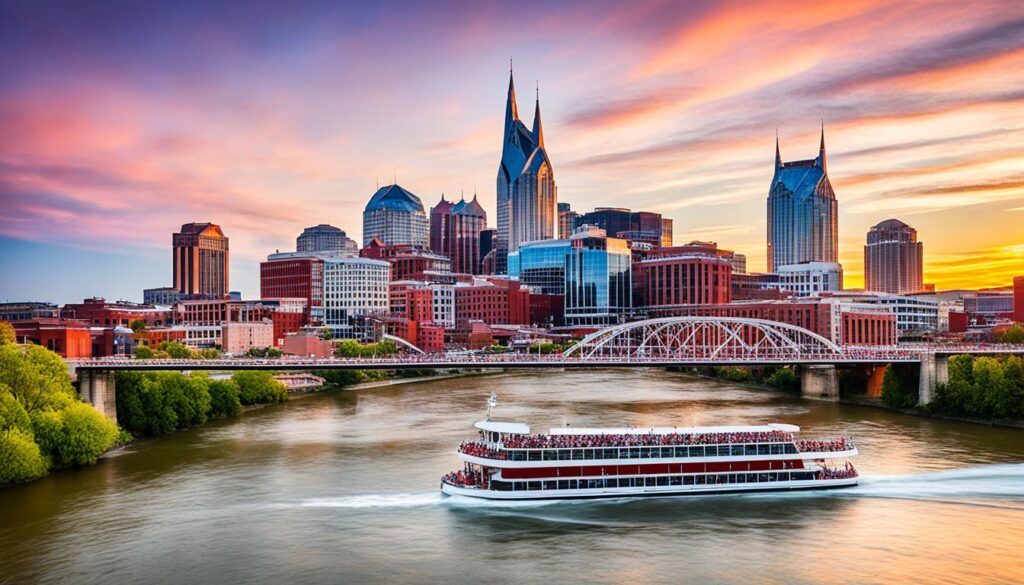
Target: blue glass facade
{"x":803,"y":223}
{"x":592,"y":271}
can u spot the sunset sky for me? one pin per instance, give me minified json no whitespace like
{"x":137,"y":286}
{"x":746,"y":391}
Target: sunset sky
{"x":121,"y":121}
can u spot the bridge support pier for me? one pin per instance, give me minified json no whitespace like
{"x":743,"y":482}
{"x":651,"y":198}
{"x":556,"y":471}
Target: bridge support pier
{"x":97,"y":388}
{"x":934,"y":370}
{"x":819,"y":382}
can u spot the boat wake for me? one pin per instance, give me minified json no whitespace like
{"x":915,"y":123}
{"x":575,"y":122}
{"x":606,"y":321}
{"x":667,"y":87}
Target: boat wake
{"x":999,"y":486}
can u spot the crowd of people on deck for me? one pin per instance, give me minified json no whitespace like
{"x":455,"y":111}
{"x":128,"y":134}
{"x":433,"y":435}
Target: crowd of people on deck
{"x":823,"y":445}
{"x":478,"y":449}
{"x":844,"y":473}
{"x":466,"y":478}
{"x":642,"y":440}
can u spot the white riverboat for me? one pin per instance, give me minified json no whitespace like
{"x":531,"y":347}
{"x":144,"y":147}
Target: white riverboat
{"x":508,"y":462}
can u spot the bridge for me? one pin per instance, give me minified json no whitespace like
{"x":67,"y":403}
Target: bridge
{"x":665,"y":342}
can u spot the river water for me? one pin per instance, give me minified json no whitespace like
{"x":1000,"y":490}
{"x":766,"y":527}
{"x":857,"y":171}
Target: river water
{"x":344,"y":489}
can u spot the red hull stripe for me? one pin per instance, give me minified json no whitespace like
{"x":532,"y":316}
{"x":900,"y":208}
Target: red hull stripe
{"x":647,"y":469}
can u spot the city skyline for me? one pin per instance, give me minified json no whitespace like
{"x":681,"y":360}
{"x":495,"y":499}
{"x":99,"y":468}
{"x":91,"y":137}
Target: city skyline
{"x":265,"y":131}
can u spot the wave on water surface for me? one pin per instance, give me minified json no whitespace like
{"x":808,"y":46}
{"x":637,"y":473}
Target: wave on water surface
{"x":1003,"y":482}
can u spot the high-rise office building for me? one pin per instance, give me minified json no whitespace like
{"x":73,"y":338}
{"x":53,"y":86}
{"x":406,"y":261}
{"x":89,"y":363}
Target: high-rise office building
{"x":635,"y":226}
{"x":802,"y":212}
{"x":568,"y":220}
{"x":526,"y":195}
{"x":396,"y":216}
{"x":440,"y":217}
{"x":462,"y":235}
{"x":893,"y":258}
{"x":200,"y":260}
{"x":325,"y":238}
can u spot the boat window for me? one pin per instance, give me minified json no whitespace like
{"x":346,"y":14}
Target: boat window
{"x":740,"y":478}
{"x":681,"y":452}
{"x":763,"y":450}
{"x":563,"y":484}
{"x":687,"y":480}
{"x":776,"y":449}
{"x":534,"y":486}
{"x":588,"y":453}
{"x":696,"y":451}
{"x":790,"y":448}
{"x":675,"y":480}
{"x":577,"y":454}
{"x":645,"y":452}
{"x":700,"y":480}
{"x":572,"y":484}
{"x":551,"y":485}
{"x":667,"y":452}
{"x":534,"y":455}
{"x":662,"y":480}
{"x":736,"y":450}
{"x":564,"y":454}
{"x":648,"y":482}
{"x":634,"y":453}
{"x":550,"y":455}
{"x":750,"y":449}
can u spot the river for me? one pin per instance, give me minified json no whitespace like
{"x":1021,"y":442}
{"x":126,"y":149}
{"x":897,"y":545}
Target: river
{"x":343,"y":489}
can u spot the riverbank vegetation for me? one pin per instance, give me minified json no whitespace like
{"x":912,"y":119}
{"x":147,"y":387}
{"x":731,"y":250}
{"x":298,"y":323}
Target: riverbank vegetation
{"x":43,"y":423}
{"x":780,"y":378}
{"x":157,"y":403}
{"x":982,"y":387}
{"x":177,"y":351}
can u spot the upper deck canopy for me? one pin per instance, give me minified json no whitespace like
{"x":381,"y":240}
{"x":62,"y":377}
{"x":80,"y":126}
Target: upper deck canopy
{"x":510,"y":428}
{"x":675,"y":430}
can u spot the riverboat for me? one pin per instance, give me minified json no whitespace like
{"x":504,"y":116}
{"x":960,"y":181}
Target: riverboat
{"x":507,"y":462}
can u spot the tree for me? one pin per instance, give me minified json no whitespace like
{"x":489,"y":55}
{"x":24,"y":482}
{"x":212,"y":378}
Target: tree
{"x":20,"y":458}
{"x":36,"y":376}
{"x":75,"y":436}
{"x":1014,"y":334}
{"x":144,"y":352}
{"x":783,"y":379}
{"x":273,"y":352}
{"x":210,"y":353}
{"x":224,"y":400}
{"x":138,"y":326}
{"x":176,"y":350}
{"x":7,"y":334}
{"x":326,"y":333}
{"x":256,"y":387}
{"x":899,"y":387}
{"x":12,"y":413}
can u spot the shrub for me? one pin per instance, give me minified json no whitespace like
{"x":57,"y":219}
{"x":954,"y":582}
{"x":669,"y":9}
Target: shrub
{"x":899,"y":386}
{"x":784,"y":379}
{"x":224,"y":400}
{"x":176,"y":350}
{"x":256,"y":387}
{"x":20,"y":457}
{"x":84,"y":434}
{"x":157,"y":403}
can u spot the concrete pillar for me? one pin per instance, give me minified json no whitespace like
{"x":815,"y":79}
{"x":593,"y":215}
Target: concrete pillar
{"x":819,"y":382}
{"x":97,"y":387}
{"x":934,"y":370}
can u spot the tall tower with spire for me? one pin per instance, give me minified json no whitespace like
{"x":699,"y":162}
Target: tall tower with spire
{"x":803,"y":216}
{"x":526,"y":195}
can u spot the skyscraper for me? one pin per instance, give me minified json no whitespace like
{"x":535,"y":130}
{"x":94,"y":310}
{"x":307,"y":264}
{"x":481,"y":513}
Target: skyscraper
{"x":200,"y":259}
{"x":440,"y":216}
{"x":325,"y":238}
{"x":526,"y":184}
{"x":462,"y":235}
{"x":567,"y":221}
{"x":395,"y":216}
{"x":893,"y":258}
{"x":802,"y":212}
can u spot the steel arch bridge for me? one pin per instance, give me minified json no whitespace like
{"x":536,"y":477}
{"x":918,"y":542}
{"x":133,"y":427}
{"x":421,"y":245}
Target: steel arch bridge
{"x":710,"y":339}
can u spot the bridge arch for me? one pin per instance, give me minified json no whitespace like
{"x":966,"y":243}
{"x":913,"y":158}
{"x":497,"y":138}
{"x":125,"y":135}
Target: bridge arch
{"x":706,"y":338}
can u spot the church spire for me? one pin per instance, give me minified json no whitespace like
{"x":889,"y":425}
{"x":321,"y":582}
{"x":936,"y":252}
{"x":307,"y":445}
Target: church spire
{"x":511,"y":110}
{"x":821,"y":148}
{"x":538,"y":130}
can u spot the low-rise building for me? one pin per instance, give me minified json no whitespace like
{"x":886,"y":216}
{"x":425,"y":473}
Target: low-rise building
{"x":239,"y":337}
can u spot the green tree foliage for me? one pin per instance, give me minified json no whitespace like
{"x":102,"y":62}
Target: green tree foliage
{"x":42,"y":421}
{"x":733,"y":374}
{"x":985,"y":387}
{"x":783,"y":379}
{"x":264,"y":352}
{"x":326,"y":334}
{"x":137,"y":326}
{"x":351,"y":349}
{"x":256,"y":387}
{"x":157,"y":403}
{"x":36,"y":376}
{"x":176,"y":350}
{"x":7,"y":335}
{"x":1014,"y":334}
{"x":20,"y":457}
{"x":900,"y":386}
{"x":77,"y":435}
{"x":210,"y":353}
{"x":224,"y":400}
{"x":144,"y":352}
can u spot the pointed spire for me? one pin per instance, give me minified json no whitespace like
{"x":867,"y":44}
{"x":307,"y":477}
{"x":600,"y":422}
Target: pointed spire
{"x":511,"y":110}
{"x":778,"y":155}
{"x":538,"y":130}
{"x":821,"y":149}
